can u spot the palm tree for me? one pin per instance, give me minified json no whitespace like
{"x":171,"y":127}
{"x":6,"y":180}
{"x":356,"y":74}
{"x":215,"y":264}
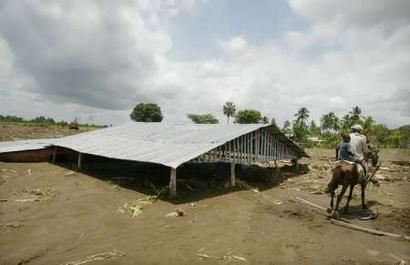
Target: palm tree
{"x":346,"y":122}
{"x":314,"y":129}
{"x":301,"y":121}
{"x":367,"y":124}
{"x":229,"y":109}
{"x":355,"y":114}
{"x":302,"y":116}
{"x":329,"y":121}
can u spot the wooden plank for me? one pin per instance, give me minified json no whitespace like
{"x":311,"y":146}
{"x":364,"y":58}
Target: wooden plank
{"x":173,"y":183}
{"x":257,"y":145}
{"x":233,"y":149}
{"x":248,"y":148}
{"x":238,"y":150}
{"x":251,"y":140}
{"x":265,"y":134}
{"x":242,"y":148}
{"x":225,"y":152}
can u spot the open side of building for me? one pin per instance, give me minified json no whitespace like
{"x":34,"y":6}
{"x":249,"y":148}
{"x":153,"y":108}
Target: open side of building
{"x":174,"y":144}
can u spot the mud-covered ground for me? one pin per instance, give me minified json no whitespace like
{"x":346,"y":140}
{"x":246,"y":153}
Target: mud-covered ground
{"x":50,"y":214}
{"x":12,"y":132}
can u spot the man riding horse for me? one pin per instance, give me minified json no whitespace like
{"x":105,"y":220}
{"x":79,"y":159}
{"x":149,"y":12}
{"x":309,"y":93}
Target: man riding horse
{"x":358,"y":144}
{"x":346,"y":172}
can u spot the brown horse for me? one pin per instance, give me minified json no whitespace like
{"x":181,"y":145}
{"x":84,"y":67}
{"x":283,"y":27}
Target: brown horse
{"x":349,"y":174}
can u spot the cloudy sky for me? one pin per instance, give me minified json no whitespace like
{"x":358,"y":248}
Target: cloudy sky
{"x":96,"y":59}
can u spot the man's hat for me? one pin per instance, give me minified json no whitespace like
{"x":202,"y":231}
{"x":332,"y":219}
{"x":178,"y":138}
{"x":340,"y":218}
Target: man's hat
{"x":357,"y":127}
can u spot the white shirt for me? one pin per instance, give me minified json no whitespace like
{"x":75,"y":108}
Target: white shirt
{"x":358,"y":144}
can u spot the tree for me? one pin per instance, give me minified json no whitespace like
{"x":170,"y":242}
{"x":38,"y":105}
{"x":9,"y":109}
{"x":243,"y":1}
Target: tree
{"x":355,"y":115}
{"x":146,"y":112}
{"x":379,"y":134}
{"x":346,"y":123}
{"x":302,"y":116}
{"x":367,"y":125}
{"x":203,"y":118}
{"x":265,"y":120}
{"x":314,"y":130}
{"x":300,"y":124}
{"x":329,"y":121}
{"x":286,"y":127}
{"x":248,"y":116}
{"x":273,"y":122}
{"x":229,"y":109}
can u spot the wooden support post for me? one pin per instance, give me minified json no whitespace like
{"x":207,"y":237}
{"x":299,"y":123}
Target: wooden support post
{"x":53,"y":158}
{"x":173,"y":183}
{"x":276,"y":168}
{"x":233,"y":173}
{"x":79,"y":161}
{"x":257,"y":145}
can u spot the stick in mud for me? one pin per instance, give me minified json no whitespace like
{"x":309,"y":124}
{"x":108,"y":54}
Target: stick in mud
{"x":345,"y":224}
{"x":101,"y":256}
{"x":368,"y":230}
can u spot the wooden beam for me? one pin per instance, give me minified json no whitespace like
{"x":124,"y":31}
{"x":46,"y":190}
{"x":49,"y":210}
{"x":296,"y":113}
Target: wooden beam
{"x":276,"y":168}
{"x":79,"y":161}
{"x":233,"y":173}
{"x":173,"y":183}
{"x":257,"y":145}
{"x":265,"y":137}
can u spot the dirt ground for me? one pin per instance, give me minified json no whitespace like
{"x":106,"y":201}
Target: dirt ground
{"x":12,"y":132}
{"x":50,"y":214}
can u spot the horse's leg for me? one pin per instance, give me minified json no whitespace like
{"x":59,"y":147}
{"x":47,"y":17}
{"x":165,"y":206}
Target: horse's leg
{"x":349,"y":198}
{"x":340,"y":196}
{"x":363,"y":186}
{"x":332,"y":194}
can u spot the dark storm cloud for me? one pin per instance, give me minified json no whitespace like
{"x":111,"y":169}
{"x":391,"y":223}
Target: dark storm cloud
{"x":94,"y":55}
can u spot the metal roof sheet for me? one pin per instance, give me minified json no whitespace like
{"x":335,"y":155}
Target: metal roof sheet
{"x":23,"y":145}
{"x":161,"y":143}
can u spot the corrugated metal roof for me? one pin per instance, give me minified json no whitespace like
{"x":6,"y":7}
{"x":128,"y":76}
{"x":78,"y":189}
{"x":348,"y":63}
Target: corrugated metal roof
{"x":23,"y":145}
{"x":161,"y":143}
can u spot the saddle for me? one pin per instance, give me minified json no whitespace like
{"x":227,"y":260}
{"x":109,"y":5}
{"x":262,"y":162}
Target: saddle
{"x":360,"y":169}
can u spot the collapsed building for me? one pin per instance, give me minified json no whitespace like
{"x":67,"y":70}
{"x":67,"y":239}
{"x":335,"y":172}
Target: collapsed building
{"x":171,"y":145}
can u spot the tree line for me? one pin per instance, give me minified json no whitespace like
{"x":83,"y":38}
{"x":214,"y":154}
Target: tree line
{"x":301,"y":129}
{"x":149,"y":112}
{"x":44,"y":122}
{"x":327,"y":132}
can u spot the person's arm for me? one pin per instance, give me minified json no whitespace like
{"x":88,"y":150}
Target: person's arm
{"x":337,"y":151}
{"x":364,"y":147}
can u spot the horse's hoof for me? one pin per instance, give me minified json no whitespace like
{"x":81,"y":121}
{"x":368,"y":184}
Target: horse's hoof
{"x":335,"y":215}
{"x":364,"y":207}
{"x":329,"y":210}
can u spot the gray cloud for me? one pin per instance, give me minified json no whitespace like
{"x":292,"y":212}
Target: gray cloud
{"x":83,"y":52}
{"x":96,"y":59}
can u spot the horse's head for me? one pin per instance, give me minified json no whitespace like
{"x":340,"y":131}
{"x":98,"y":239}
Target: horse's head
{"x":373,"y":154}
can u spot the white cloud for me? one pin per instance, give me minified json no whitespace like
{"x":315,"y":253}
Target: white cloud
{"x":96,"y":59}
